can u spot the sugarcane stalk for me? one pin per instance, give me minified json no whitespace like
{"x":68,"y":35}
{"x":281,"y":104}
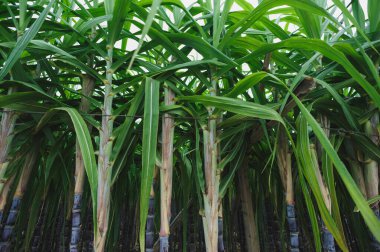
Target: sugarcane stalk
{"x":19,"y":193}
{"x":104,"y":163}
{"x":290,"y":208}
{"x":4,"y":195}
{"x":327,"y":238}
{"x":87,"y":89}
{"x":371,"y":171}
{"x":212,"y":176}
{"x":166,"y":172}
{"x":8,"y":121}
{"x":136,"y":228}
{"x":250,"y":228}
{"x":220,"y":231}
{"x":149,"y":230}
{"x":356,"y":168}
{"x":220,"y":207}
{"x":285,"y":167}
{"x":9,"y":117}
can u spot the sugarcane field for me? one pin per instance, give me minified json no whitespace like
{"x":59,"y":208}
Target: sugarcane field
{"x":189,"y":125}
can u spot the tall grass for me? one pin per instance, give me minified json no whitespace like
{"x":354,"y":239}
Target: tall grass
{"x":261,"y":122}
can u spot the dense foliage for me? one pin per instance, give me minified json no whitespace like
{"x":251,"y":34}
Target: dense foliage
{"x":124,"y":122}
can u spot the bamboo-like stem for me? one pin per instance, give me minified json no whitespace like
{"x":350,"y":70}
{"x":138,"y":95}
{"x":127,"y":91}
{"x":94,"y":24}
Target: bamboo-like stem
{"x":27,"y":168}
{"x":212,"y":175}
{"x":250,"y":229}
{"x":358,"y":176}
{"x":356,"y":167}
{"x":166,"y":172}
{"x":220,"y":231}
{"x":9,"y":117}
{"x":7,"y":124}
{"x":4,"y":195}
{"x":87,"y":89}
{"x":371,"y":171}
{"x":104,"y":164}
{"x":322,"y":186}
{"x":285,"y":166}
{"x":290,"y":208}
{"x":327,"y":238}
{"x":149,"y":230}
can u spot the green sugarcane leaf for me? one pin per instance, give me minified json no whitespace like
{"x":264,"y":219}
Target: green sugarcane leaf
{"x":373,"y":8}
{"x":237,"y":29}
{"x":85,"y":26}
{"x":246,"y":83}
{"x":19,"y":97}
{"x":231,"y":155}
{"x":200,"y":182}
{"x":236,"y":106}
{"x":22,"y":43}
{"x":369,"y":217}
{"x":122,"y":159}
{"x":88,"y":154}
{"x":328,"y":172}
{"x":348,"y":15}
{"x":33,"y":86}
{"x":367,"y":146}
{"x":312,"y":213}
{"x":66,"y":57}
{"x":145,"y":30}
{"x":326,"y":50}
{"x":346,"y":110}
{"x":202,"y":46}
{"x":119,"y":13}
{"x":149,"y":146}
{"x":126,"y":126}
{"x":369,"y":202}
{"x":307,"y":160}
{"x":228,"y":179}
{"x":358,"y":13}
{"x":187,"y":65}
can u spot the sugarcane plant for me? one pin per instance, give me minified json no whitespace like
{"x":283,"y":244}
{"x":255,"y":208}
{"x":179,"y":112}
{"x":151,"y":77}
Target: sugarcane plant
{"x":168,"y":126}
